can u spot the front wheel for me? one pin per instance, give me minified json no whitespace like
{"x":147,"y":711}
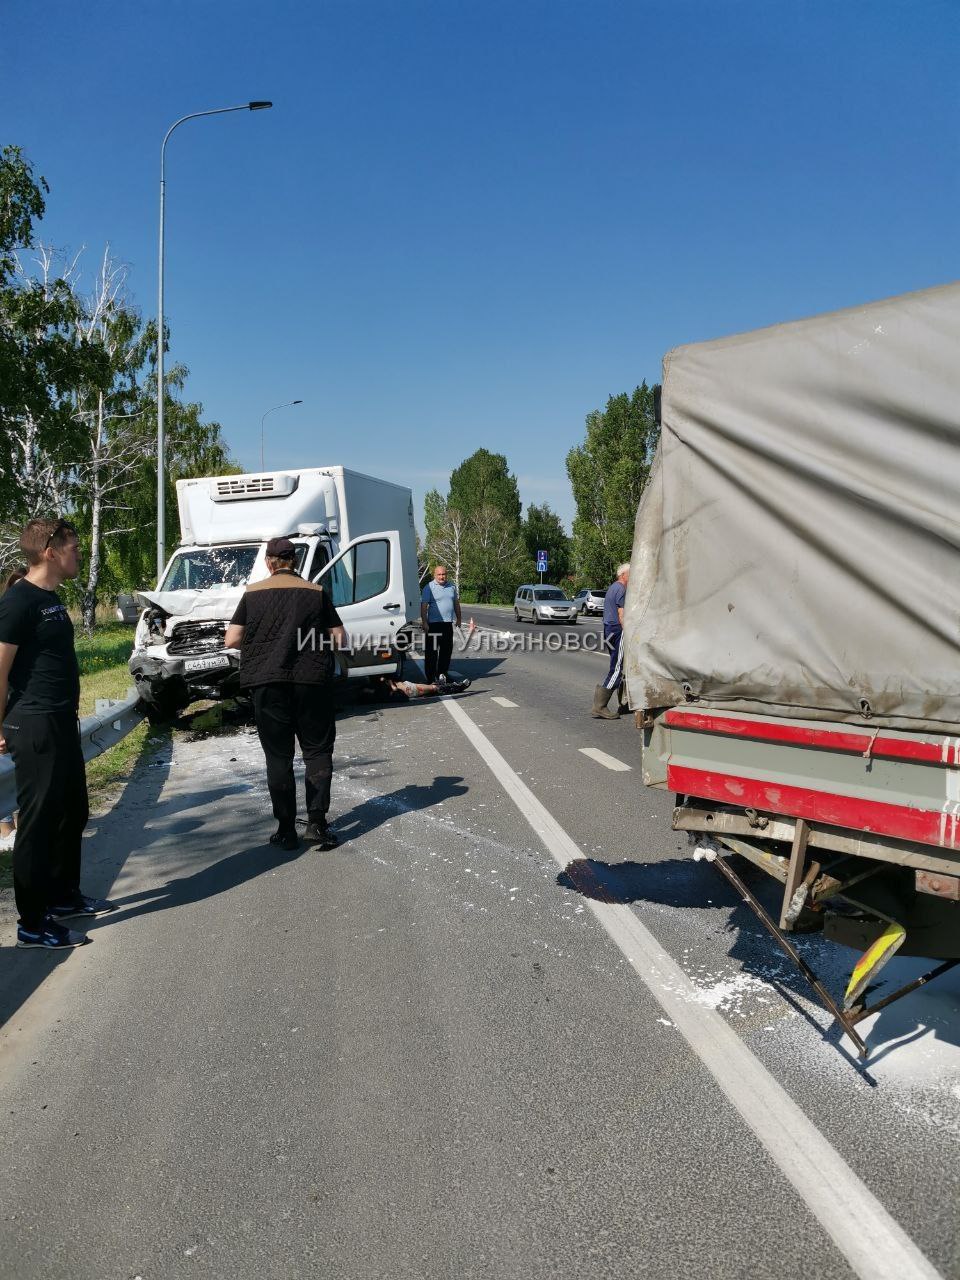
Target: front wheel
{"x":516,"y":614}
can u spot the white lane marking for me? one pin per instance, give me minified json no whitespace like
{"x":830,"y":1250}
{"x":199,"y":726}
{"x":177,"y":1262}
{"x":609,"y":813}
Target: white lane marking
{"x":608,"y":762}
{"x":875,"y":1246}
{"x":503,"y":702}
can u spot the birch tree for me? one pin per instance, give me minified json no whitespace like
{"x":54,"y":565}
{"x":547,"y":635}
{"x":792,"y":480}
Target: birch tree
{"x":40,"y":361}
{"x":446,"y":531}
{"x":495,"y":553}
{"x":111,"y":413}
{"x":78,"y":410}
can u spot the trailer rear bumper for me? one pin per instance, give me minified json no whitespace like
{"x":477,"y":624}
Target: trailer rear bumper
{"x":860,"y":829}
{"x":900,"y":786}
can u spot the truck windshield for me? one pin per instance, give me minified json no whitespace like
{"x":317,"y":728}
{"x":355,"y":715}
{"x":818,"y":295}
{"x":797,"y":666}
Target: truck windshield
{"x":204,"y":567}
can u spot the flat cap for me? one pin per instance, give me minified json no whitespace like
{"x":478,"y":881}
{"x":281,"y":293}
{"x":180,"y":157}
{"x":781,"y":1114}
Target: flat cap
{"x":281,"y":547}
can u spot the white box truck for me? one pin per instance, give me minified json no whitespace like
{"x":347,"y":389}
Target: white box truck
{"x":353,"y":533}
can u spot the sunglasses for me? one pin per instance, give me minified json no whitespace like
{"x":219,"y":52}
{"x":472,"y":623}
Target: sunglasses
{"x":57,"y":528}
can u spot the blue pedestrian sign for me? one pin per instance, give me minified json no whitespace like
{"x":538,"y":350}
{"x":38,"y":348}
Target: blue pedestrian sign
{"x":541,"y":562}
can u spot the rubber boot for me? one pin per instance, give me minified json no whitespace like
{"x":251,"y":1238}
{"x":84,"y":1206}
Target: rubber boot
{"x":622,"y":706}
{"x":601,"y":697}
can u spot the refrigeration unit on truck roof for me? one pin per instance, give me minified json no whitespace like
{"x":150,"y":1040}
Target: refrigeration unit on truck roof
{"x":218,"y":509}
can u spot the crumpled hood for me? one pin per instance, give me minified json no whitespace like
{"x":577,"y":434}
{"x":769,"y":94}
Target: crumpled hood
{"x":216,"y":605}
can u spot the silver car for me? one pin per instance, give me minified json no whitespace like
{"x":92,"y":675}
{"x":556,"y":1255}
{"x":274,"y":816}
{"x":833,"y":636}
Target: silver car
{"x":589,"y":600}
{"x":535,"y":603}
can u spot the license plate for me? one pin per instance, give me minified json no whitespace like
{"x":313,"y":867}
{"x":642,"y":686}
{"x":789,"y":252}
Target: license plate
{"x":212,"y":663}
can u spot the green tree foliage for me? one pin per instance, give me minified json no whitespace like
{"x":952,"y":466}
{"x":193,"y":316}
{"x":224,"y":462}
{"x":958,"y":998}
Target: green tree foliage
{"x":42,"y":358}
{"x":434,"y":515}
{"x":608,"y":473}
{"x":193,"y":448}
{"x":111,"y":413}
{"x":78,"y":415}
{"x":480,"y":527}
{"x":484,"y":480}
{"x":446,"y":529}
{"x":543,"y":531}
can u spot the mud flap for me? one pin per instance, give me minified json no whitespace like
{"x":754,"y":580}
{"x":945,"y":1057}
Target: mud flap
{"x":872,"y":961}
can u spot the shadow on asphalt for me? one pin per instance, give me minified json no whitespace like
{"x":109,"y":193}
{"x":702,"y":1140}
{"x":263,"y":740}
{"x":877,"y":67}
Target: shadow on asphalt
{"x":674,"y":882}
{"x":217,"y":877}
{"x":372,"y":813}
{"x":125,"y":826}
{"x":247,"y":864}
{"x":23,"y":971}
{"x":370,"y":708}
{"x":681,"y":882}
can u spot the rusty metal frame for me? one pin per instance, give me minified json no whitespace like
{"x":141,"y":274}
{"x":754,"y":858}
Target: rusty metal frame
{"x":823,"y":995}
{"x":858,"y":844}
{"x":799,"y":878}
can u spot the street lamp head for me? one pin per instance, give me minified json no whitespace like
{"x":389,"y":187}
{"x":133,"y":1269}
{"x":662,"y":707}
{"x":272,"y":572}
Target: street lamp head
{"x":259,"y":106}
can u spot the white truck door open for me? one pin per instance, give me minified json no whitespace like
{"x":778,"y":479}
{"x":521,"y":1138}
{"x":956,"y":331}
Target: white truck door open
{"x":365,"y":583}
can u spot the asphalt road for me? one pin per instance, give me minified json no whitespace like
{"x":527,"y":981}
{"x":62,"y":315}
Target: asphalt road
{"x":429,"y":1053}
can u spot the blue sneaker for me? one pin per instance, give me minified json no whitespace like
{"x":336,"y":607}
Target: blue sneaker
{"x":53,"y":936}
{"x":84,"y":906}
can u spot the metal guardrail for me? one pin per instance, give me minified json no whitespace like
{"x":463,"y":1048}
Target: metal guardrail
{"x":110,"y":722}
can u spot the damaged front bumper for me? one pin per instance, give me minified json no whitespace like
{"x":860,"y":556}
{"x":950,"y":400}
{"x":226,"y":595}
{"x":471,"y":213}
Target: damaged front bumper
{"x":169,"y":682}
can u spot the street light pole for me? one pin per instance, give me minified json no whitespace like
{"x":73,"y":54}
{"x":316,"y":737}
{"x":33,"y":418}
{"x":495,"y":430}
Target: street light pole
{"x":286,"y":404}
{"x":161,"y":442}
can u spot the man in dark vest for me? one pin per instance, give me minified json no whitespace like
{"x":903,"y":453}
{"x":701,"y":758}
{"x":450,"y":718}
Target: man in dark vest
{"x":286,"y":630}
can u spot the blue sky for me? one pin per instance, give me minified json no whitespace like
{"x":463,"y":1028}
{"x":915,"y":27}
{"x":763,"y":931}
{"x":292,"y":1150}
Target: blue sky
{"x":467,"y":224}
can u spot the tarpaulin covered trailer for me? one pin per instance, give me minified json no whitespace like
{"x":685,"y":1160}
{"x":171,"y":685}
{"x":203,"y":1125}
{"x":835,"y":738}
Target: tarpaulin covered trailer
{"x":793,"y":615}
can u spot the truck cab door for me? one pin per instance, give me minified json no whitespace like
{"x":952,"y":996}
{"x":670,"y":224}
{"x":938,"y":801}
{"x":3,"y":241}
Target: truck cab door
{"x":365,"y":584}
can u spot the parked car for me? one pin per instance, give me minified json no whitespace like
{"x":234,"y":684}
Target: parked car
{"x":589,"y":600}
{"x":535,"y":603}
{"x":128,"y":610}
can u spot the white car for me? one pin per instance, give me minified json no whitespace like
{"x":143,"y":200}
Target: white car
{"x":589,"y":600}
{"x":535,"y":603}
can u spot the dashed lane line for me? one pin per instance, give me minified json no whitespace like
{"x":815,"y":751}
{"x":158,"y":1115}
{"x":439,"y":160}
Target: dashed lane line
{"x":608,"y":762}
{"x":503,"y":702}
{"x":873,"y":1243}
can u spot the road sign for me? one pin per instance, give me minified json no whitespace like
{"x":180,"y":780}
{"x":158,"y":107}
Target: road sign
{"x":541,"y":562}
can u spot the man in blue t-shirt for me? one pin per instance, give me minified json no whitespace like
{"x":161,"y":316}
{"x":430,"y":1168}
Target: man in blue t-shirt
{"x":613,"y":603}
{"x":439,"y":608}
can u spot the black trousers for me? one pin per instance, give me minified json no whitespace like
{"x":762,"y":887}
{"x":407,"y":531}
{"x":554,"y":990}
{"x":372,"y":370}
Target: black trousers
{"x":438,"y":646}
{"x":52,"y":800}
{"x":284,"y":712}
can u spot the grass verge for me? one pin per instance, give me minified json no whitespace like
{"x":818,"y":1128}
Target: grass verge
{"x":104,"y":674}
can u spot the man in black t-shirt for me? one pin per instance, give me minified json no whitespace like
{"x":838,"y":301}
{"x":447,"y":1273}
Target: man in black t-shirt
{"x":286,"y":630}
{"x":39,"y":698}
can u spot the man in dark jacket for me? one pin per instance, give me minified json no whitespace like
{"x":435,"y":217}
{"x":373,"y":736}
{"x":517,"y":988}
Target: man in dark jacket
{"x":286,"y":630}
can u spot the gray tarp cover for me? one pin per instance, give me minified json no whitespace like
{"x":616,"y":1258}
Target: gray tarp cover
{"x":796,"y":548}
